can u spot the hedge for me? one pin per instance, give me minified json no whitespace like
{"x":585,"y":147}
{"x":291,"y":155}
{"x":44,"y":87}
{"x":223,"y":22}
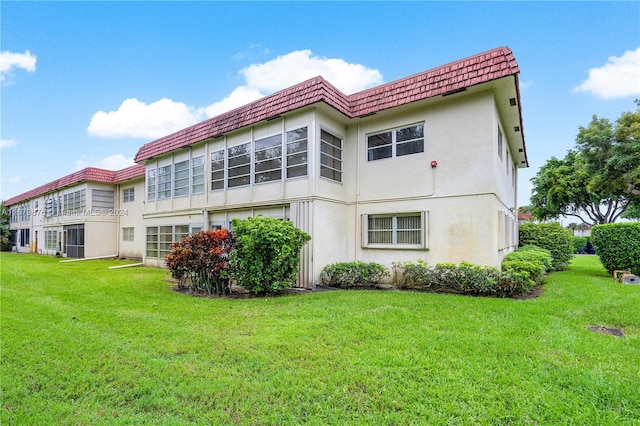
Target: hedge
{"x":550,"y":236}
{"x":618,"y":246}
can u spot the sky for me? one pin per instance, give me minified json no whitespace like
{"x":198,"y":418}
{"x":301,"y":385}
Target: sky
{"x":87,"y":83}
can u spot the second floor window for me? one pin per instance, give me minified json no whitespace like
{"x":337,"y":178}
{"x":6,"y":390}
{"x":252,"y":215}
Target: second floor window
{"x":396,"y":143}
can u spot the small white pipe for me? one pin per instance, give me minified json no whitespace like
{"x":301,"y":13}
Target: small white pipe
{"x":90,"y":258}
{"x":125,"y":266}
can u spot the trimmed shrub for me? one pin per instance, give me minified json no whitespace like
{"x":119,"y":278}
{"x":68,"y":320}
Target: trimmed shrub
{"x":579,"y":244}
{"x":201,"y":261}
{"x":267,"y":256}
{"x":618,"y":246}
{"x":464,"y":278}
{"x":353,"y":274}
{"x":550,"y":236}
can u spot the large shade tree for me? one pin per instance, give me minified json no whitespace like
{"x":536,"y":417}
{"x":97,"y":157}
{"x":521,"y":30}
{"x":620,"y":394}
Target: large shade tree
{"x":598,"y":180}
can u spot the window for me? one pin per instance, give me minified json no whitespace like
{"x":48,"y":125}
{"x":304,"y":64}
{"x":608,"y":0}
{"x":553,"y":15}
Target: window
{"x":75,"y":202}
{"x":128,"y":195}
{"x":297,"y":153}
{"x":24,"y":212}
{"x":152,"y":241}
{"x":197,"y":175}
{"x":50,"y":239}
{"x":102,"y":199}
{"x":217,"y":169}
{"x":24,"y":237}
{"x":181,"y":178}
{"x":330,"y":156}
{"x":159,"y":239}
{"x":499,"y":143}
{"x":239,"y":165}
{"x":127,"y":234}
{"x":53,"y":206}
{"x":151,"y":185}
{"x":268,"y":159}
{"x":396,"y":143}
{"x":400,"y":230}
{"x":164,"y":182}
{"x":506,"y":163}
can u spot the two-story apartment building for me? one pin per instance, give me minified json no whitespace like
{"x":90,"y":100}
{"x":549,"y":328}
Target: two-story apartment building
{"x":424,"y":167}
{"x":88,"y":213}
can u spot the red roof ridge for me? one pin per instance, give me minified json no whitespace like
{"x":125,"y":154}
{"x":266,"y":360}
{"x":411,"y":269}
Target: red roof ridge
{"x":442,"y":80}
{"x":88,"y":174}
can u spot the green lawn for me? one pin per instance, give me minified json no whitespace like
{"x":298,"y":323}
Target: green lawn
{"x":85,"y":345}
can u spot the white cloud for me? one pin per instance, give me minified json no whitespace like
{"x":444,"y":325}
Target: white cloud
{"x":112,"y":162}
{"x":618,"y":78}
{"x":15,"y":179}
{"x":7,"y":143}
{"x":141,"y":120}
{"x":241,"y":95}
{"x":136,"y":119}
{"x":11,"y":60}
{"x":300,"y":65}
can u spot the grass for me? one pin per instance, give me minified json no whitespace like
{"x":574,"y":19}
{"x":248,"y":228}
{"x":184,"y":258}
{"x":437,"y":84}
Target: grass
{"x":85,"y":345}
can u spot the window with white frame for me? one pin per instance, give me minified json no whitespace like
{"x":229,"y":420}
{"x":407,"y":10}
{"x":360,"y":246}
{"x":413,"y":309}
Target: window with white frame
{"x":24,"y":212}
{"x":181,"y":178}
{"x":151,"y":184}
{"x":127,"y":234}
{"x":330,"y":156}
{"x":396,"y":142}
{"x":297,"y":147}
{"x":52,"y":206}
{"x":75,"y":202}
{"x":128,"y":195}
{"x":407,"y":230}
{"x":164,"y":182}
{"x":268,"y":159}
{"x":159,"y":239}
{"x":217,"y":170}
{"x":239,"y":168}
{"x":50,"y":239}
{"x":499,"y":143}
{"x":197,"y":175}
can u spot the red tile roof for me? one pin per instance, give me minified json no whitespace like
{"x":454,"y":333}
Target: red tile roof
{"x":481,"y":68}
{"x":90,"y":174}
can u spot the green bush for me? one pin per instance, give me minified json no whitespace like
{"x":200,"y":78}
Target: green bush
{"x":550,"y":236}
{"x":267,"y":256}
{"x":579,"y":243}
{"x":618,"y":246}
{"x":464,"y":278}
{"x":530,"y":260}
{"x":353,"y":274}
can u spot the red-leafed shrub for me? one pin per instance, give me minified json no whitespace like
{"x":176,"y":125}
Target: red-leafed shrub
{"x":201,"y":261}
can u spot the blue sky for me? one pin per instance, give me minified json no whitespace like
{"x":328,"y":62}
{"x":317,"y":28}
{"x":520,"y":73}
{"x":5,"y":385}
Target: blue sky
{"x":87,"y":83}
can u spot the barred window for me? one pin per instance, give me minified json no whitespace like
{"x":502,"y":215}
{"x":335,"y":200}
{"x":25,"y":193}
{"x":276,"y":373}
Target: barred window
{"x":401,"y":230}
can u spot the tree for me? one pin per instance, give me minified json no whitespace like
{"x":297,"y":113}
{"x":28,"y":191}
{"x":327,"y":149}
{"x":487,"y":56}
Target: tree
{"x":5,"y":233}
{"x":597,"y":181}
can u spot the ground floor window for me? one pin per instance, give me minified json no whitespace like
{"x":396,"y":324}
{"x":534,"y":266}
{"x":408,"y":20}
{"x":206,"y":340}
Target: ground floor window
{"x":24,"y":237}
{"x":406,"y":230}
{"x":50,"y":239}
{"x":127,"y":234}
{"x":159,"y":238}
